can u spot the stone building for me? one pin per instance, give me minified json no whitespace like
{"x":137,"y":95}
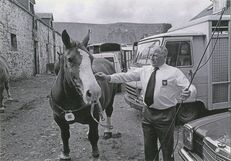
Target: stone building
{"x":27,"y":41}
{"x":30,"y":41}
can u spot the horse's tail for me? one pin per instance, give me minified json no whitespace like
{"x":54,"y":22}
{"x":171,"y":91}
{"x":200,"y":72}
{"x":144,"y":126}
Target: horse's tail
{"x":4,"y":70}
{"x":4,"y":63}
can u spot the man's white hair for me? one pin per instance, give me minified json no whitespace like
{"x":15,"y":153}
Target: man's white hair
{"x":159,"y":49}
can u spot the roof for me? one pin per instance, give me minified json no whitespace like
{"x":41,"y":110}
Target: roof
{"x":199,"y":21}
{"x":209,"y":11}
{"x":126,"y":48}
{"x":204,"y":16}
{"x":45,"y":15}
{"x":171,"y":34}
{"x":32,"y":1}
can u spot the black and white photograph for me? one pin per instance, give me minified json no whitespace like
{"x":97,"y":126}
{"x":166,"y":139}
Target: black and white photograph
{"x":115,"y":80}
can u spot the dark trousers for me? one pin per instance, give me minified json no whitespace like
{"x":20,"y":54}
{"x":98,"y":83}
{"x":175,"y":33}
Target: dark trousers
{"x":155,"y":126}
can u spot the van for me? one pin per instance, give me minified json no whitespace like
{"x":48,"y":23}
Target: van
{"x":186,"y":45}
{"x":109,"y":51}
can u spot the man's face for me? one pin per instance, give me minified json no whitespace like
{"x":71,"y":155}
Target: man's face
{"x":157,"y":58}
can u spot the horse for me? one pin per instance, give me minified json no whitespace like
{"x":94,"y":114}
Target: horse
{"x":76,"y":95}
{"x":4,"y":82}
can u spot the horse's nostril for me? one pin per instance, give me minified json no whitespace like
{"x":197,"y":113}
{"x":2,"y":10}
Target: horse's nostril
{"x":88,"y":93}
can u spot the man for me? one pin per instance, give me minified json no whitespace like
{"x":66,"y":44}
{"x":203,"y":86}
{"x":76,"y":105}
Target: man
{"x":169,"y":84}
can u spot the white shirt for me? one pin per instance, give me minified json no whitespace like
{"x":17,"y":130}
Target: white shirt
{"x":170,"y":81}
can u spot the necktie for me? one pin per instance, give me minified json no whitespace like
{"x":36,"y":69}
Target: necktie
{"x":150,"y":88}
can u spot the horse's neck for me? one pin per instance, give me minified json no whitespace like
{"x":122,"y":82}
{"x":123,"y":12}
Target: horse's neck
{"x":57,"y":90}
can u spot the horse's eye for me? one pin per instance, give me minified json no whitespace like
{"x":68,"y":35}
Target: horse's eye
{"x":70,"y":60}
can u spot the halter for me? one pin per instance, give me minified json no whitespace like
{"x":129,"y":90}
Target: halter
{"x":81,"y":108}
{"x":67,"y":73}
{"x":63,"y":110}
{"x":100,"y":113}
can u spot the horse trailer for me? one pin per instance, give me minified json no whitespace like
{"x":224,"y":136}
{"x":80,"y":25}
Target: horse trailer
{"x":109,"y":51}
{"x":186,"y":46}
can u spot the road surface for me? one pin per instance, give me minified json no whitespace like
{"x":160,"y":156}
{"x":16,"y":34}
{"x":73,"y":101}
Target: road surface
{"x":28,"y":132}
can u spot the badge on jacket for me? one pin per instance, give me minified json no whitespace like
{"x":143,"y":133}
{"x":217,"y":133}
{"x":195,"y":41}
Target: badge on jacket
{"x":164,"y":82}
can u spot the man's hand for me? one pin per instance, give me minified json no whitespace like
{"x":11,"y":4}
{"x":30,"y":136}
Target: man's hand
{"x":102,"y":76}
{"x":185,"y":94}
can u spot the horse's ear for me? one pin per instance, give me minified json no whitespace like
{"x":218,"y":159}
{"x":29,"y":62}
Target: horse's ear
{"x":66,"y":39}
{"x":86,"y":39}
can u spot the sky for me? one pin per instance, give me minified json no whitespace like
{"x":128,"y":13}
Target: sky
{"x":175,"y":12}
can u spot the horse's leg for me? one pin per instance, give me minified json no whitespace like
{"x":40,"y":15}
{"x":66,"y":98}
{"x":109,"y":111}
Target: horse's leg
{"x":93,"y":137}
{"x":7,"y":86}
{"x":2,"y":107}
{"x":108,"y":129}
{"x":65,"y":135}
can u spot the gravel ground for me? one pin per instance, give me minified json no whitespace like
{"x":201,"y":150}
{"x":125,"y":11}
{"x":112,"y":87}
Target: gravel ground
{"x":28,"y":132}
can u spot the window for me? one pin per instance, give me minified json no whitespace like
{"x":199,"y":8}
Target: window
{"x":96,"y":50}
{"x":107,"y":47}
{"x":13,"y":40}
{"x":111,"y":59}
{"x":35,"y":25}
{"x":46,"y":47}
{"x":142,"y":57}
{"x":93,"y":49}
{"x":31,"y":7}
{"x":222,"y":28}
{"x":179,"y":53}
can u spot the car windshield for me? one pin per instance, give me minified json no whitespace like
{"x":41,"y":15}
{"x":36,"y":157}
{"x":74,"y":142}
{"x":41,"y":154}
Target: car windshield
{"x":142,"y":57}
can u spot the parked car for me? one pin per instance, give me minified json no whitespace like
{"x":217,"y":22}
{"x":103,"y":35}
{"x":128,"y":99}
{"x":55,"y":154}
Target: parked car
{"x":207,"y":138}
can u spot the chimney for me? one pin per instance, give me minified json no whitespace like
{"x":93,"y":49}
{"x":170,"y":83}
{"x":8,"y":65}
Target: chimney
{"x":218,"y":5}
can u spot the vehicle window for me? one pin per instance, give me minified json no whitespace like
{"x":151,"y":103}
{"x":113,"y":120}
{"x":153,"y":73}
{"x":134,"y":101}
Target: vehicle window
{"x":107,"y":47}
{"x":93,"y":49}
{"x":179,"y":53}
{"x":142,"y":57}
{"x":96,"y":50}
{"x":110,"y":59}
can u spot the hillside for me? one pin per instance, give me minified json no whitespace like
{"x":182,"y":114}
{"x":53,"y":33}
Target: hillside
{"x":125,"y":33}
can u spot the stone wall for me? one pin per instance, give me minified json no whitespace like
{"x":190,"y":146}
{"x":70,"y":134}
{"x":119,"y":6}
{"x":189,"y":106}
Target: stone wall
{"x":38,"y":43}
{"x":17,"y":21}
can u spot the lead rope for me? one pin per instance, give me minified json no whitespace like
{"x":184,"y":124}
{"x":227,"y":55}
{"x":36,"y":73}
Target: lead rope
{"x":100,"y":114}
{"x":198,"y":67}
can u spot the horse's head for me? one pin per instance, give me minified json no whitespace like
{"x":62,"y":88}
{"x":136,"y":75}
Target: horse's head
{"x":77,"y":65}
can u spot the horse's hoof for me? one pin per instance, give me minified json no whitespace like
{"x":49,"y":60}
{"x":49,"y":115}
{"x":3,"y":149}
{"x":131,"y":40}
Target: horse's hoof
{"x":95,"y":153}
{"x":107,"y":135}
{"x":64,"y":157}
{"x":9,"y":99}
